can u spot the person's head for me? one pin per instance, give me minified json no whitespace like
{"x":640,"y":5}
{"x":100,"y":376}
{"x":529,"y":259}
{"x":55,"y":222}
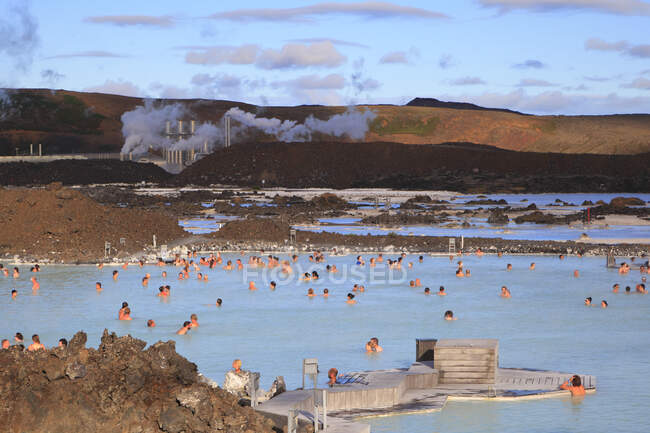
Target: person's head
{"x":326,"y":291}
{"x":63,"y":343}
{"x":273,"y":284}
{"x":332,"y":373}
{"x":115,"y":272}
{"x":628,"y":289}
{"x":236,"y":364}
{"x":441,"y":289}
{"x":509,"y":266}
{"x":151,"y":323}
{"x":427,"y":290}
{"x":5,"y":344}
{"x":186,"y":324}
{"x":125,"y":304}
{"x":350,"y":296}
{"x":98,"y":285}
{"x":420,"y":259}
{"x":588,"y":301}
{"x":603,"y":303}
{"x":616,"y":286}
{"x":194,"y":318}
{"x":14,"y":293}
{"x":375,"y":341}
{"x":127,"y":311}
{"x":19,"y":337}
{"x":575,"y":380}
{"x":449,"y":315}
{"x":532,"y":265}
{"x":310,"y":291}
{"x":576,"y":273}
{"x":36,"y":338}
{"x":219,"y":302}
{"x":412,"y":283}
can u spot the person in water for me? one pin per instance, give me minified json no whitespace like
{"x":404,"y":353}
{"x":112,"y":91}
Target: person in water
{"x":576,"y":273}
{"x":603,"y":304}
{"x":350,"y":299}
{"x":251,"y":286}
{"x":310,"y":293}
{"x":120,"y":313}
{"x":63,"y":343}
{"x":219,"y":302}
{"x":272,"y":285}
{"x":14,"y":293}
{"x":588,"y":301}
{"x":185,"y":328}
{"x":427,"y":291}
{"x":98,"y":286}
{"x":449,"y":315}
{"x":505,"y":293}
{"x":126,"y":315}
{"x":615,"y":288}
{"x":509,"y":267}
{"x":151,"y":323}
{"x":6,"y":344}
{"x":574,"y":385}
{"x":532,"y":266}
{"x":441,"y":291}
{"x":194,"y":321}
{"x":35,"y":284}
{"x":373,"y":345}
{"x":36,"y":343}
{"x":326,"y":293}
{"x":115,"y":274}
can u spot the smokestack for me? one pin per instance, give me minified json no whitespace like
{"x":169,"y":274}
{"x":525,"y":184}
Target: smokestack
{"x":192,"y":126}
{"x":168,"y":127}
{"x":31,"y":149}
{"x":40,"y":149}
{"x":205,"y":146}
{"x":180,"y":127}
{"x":227,"y":138}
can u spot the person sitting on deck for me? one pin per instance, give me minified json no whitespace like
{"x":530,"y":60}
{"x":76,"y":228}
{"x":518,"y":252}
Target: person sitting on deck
{"x":574,"y":384}
{"x":332,"y":375}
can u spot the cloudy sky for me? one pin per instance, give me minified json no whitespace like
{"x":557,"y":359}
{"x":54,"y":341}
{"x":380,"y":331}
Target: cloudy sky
{"x":537,"y":56}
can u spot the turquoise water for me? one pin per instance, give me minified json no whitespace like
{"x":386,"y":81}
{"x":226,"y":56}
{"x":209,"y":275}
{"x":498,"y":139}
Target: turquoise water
{"x":544,"y":325}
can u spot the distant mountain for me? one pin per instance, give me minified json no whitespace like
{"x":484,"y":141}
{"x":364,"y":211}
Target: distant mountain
{"x":436,"y":103}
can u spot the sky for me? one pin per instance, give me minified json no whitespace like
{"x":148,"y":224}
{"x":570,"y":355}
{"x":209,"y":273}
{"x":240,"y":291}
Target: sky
{"x":535,"y":56}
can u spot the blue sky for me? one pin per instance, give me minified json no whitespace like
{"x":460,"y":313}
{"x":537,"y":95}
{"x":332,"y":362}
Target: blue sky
{"x":537,"y":56}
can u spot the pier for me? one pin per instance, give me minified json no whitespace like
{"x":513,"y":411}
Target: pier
{"x":447,"y":369}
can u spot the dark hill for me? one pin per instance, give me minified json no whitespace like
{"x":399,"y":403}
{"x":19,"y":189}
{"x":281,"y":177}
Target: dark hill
{"x":436,"y":103}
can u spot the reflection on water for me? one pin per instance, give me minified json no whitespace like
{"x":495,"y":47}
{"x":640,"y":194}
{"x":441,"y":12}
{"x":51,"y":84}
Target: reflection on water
{"x":544,"y":325}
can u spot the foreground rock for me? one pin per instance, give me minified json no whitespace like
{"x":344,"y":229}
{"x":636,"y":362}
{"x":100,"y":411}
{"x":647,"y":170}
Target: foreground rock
{"x":117,"y":388}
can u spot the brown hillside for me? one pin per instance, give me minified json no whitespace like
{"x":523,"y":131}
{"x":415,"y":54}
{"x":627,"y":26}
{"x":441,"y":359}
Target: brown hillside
{"x":67,"y":121}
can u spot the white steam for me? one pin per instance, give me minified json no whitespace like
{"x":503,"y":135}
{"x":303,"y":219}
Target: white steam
{"x":144,"y":128}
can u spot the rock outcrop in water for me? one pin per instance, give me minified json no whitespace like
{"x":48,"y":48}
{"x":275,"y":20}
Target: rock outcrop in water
{"x":117,"y":388}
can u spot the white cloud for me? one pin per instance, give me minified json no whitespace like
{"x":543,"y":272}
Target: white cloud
{"x":322,"y":54}
{"x":117,"y":87}
{"x":331,"y":81}
{"x":532,"y":82}
{"x":334,"y":41}
{"x":467,"y":81}
{"x":365,"y":10}
{"x":133,"y":20}
{"x":241,"y":55}
{"x":618,"y":7}
{"x":92,"y":53}
{"x":301,"y":56}
{"x":625,"y":47}
{"x":529,"y":64}
{"x":639,"y":83}
{"x":394,"y":57}
{"x":557,"y":102}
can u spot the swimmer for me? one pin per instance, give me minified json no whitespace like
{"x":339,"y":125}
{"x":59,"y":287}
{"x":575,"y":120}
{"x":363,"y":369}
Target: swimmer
{"x":186,"y":327}
{"x":314,"y":275}
{"x":441,"y":291}
{"x":115,"y":274}
{"x":228,"y":266}
{"x":640,"y":288}
{"x":35,"y":284}
{"x":100,"y":266}
{"x":459,"y":273}
{"x":561,"y":256}
{"x":181,"y":276}
{"x":5,"y":272}
{"x":627,"y":290}
{"x":16,"y":273}
{"x":418,"y":283}
{"x":360,"y":261}
{"x":63,"y":343}
{"x":499,"y":254}
{"x":306,"y":277}
{"x":310,"y":293}
{"x":615,"y":288}
{"x":14,"y":293}
{"x":588,"y":301}
{"x":332,"y":375}
{"x":427,"y":291}
{"x":151,"y":323}
{"x":411,"y":283}
{"x":532,"y":266}
{"x":164,"y":274}
{"x":219,"y":302}
{"x":98,"y":286}
{"x":479,"y":253}
{"x":326,"y":293}
{"x":199,"y":276}
{"x":205,"y":277}
{"x":251,"y":286}
{"x":468,"y":273}
{"x":421,"y":259}
{"x":373,"y":345}
{"x":125,"y":265}
{"x":145,"y":281}
{"x":449,"y":315}
{"x":576,"y":273}
{"x":574,"y":384}
{"x":140,"y":263}
{"x":410,"y":265}
{"x":603,"y":304}
{"x":6,"y":344}
{"x":272,"y":285}
{"x":36,"y":344}
{"x":505,"y":293}
{"x":18,"y":338}
{"x":120,"y":313}
{"x":126,"y":315}
{"x":350,"y":300}
{"x":162,"y":292}
{"x":380,"y":258}
{"x":194,"y":321}
{"x":509,"y":267}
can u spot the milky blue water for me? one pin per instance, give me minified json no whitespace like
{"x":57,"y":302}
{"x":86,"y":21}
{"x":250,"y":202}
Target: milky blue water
{"x":545,"y":325}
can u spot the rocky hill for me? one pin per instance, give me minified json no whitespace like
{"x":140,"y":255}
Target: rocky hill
{"x":67,"y":121}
